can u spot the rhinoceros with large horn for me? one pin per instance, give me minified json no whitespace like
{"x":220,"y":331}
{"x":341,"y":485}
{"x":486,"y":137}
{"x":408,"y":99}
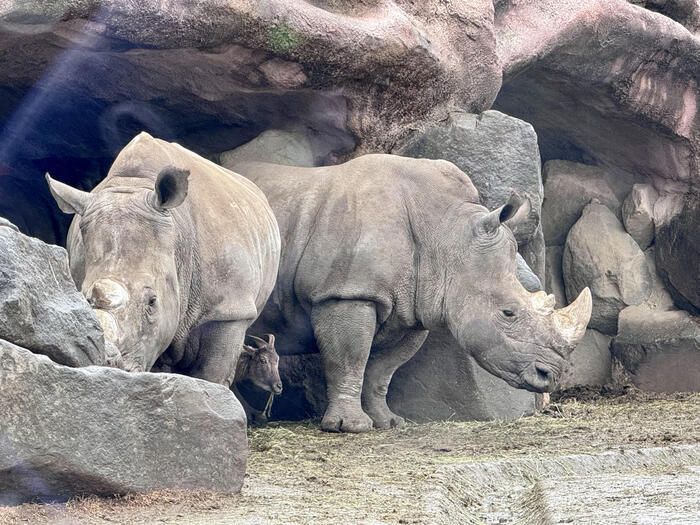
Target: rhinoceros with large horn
{"x":381,"y":249}
{"x":176,"y":255}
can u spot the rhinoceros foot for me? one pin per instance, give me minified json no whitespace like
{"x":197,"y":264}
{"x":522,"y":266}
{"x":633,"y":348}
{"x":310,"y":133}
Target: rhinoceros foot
{"x":381,"y":415}
{"x":344,"y":419}
{"x":385,"y":421}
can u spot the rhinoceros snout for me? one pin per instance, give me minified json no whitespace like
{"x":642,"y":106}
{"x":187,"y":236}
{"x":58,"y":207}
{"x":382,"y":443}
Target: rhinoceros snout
{"x":539,"y":378}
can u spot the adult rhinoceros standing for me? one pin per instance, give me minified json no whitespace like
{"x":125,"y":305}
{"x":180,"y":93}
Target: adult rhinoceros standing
{"x":381,"y":249}
{"x":176,"y":255}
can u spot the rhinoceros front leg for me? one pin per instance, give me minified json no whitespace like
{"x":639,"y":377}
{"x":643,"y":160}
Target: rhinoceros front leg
{"x":344,"y":330}
{"x":220,"y":345}
{"x":381,"y":367}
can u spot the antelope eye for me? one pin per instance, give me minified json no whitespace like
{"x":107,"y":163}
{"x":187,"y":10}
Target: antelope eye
{"x":508,"y":313}
{"x":263,"y":360}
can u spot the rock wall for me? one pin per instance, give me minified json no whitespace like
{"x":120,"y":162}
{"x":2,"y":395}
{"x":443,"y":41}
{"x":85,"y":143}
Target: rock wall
{"x":640,"y":320}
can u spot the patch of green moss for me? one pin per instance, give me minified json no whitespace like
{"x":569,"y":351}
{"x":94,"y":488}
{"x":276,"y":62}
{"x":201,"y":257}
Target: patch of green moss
{"x":283,"y":38}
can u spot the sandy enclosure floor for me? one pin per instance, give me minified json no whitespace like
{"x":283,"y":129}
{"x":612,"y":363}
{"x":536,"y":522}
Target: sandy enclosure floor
{"x":298,"y":474}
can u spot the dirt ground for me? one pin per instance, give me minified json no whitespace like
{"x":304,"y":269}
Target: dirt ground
{"x":298,"y":474}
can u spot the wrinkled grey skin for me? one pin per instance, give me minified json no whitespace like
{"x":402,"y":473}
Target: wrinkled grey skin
{"x":381,"y":249}
{"x":176,"y":255}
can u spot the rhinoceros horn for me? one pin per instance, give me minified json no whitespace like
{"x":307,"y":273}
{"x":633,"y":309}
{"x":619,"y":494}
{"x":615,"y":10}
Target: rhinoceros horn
{"x":572,"y":320}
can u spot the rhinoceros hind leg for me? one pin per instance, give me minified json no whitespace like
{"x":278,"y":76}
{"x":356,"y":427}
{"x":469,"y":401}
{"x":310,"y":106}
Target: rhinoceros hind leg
{"x":381,"y":366}
{"x":344,"y":330}
{"x":220,"y":346}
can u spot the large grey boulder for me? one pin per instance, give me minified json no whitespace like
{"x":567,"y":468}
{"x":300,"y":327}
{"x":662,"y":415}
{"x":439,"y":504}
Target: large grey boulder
{"x":568,"y":188}
{"x":554,"y":279}
{"x":678,"y":251}
{"x":657,"y":345}
{"x":526,"y":276}
{"x":590,"y":364}
{"x":288,"y":147}
{"x":600,"y":254}
{"x":96,"y":430}
{"x":40,"y":308}
{"x":440,"y":383}
{"x":659,"y":349}
{"x":499,"y":153}
{"x":638,"y":214}
{"x":659,"y":298}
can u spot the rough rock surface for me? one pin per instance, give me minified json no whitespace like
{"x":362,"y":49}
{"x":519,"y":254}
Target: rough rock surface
{"x":291,"y":148}
{"x":685,"y":12}
{"x":554,"y":279}
{"x":678,"y":254}
{"x":499,"y":153}
{"x":440,"y":383}
{"x":40,"y":308}
{"x":599,"y":254}
{"x":590,"y":364}
{"x":656,"y":344}
{"x":638,"y":214}
{"x":603,"y":80}
{"x":660,"y":349}
{"x":659,"y":298}
{"x":68,"y":431}
{"x":254,"y":67}
{"x":568,"y":188}
{"x":526,"y":276}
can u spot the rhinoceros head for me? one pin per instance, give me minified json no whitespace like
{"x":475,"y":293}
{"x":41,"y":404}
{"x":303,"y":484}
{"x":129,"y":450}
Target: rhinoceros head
{"x":516,"y":335}
{"x":128,"y":242}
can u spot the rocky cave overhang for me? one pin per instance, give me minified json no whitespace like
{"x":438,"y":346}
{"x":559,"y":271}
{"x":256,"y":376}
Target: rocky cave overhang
{"x":612,"y":83}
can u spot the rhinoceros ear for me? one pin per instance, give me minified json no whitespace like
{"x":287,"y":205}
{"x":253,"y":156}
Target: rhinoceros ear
{"x":69,"y":199}
{"x":170,"y":189}
{"x":490,"y":222}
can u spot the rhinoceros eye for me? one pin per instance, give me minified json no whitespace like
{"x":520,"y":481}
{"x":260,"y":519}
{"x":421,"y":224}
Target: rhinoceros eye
{"x":508,"y":313}
{"x":152,"y":301}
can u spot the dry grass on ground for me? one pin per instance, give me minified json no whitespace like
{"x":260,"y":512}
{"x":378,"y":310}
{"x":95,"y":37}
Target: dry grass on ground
{"x":297,"y":474}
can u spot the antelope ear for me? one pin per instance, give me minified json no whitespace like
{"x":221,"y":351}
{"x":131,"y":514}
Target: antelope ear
{"x":69,"y":199}
{"x":248,"y":351}
{"x":259,"y":342}
{"x":490,"y":222}
{"x":171,"y":188}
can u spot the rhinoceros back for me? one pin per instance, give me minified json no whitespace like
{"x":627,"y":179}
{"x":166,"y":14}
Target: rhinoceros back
{"x":225,"y":217}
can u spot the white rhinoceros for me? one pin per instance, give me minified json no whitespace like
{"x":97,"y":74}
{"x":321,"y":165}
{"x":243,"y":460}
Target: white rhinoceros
{"x":176,"y":255}
{"x":381,"y":249}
